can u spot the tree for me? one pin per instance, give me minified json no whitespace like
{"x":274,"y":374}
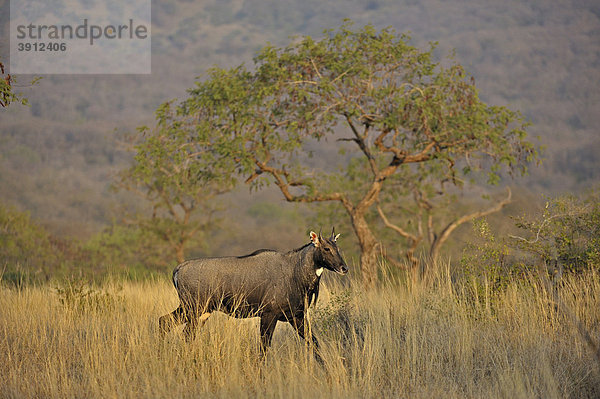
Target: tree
{"x":427,"y":217}
{"x":127,"y":249}
{"x":396,"y":113}
{"x":7,"y":94}
{"x":170,"y":170}
{"x":23,"y":243}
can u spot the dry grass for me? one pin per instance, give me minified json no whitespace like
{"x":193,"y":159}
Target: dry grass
{"x":416,"y":340}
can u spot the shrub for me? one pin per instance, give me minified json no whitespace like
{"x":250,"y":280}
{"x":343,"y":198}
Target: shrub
{"x":128,"y":250}
{"x":26,"y":249}
{"x":340,"y":319}
{"x":566,"y":234}
{"x":487,"y":263}
{"x":565,"y":237}
{"x":81,"y":297}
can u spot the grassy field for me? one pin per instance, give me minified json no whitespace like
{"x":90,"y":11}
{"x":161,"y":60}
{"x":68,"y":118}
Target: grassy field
{"x":426,"y":339}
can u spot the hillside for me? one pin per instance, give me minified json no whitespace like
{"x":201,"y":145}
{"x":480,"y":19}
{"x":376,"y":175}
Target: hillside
{"x":58,"y":156}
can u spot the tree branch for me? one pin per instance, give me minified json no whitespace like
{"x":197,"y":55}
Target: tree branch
{"x":170,"y":206}
{"x":443,"y":236}
{"x":281,"y":180}
{"x":394,"y":227}
{"x":360,"y":140}
{"x":537,"y":236}
{"x":396,"y":263}
{"x":414,"y":240}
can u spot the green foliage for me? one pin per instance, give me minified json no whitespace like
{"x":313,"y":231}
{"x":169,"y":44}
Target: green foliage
{"x":7,"y":93}
{"x":564,"y":237}
{"x":404,"y":101}
{"x":566,"y":232}
{"x":265,"y":210}
{"x":367,"y":79}
{"x":26,"y":250}
{"x":401,"y":116}
{"x":338,"y":308}
{"x":128,"y":250}
{"x":175,"y":172}
{"x":340,"y":319}
{"x":29,"y":254}
{"x":487,"y":264}
{"x":511,"y":49}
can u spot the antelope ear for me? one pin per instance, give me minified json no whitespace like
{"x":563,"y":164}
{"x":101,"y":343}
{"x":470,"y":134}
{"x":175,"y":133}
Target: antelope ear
{"x":336,"y":237}
{"x":314,"y":238}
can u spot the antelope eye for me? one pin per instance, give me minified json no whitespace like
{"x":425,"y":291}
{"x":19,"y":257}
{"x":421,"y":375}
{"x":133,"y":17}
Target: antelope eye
{"x":327,"y":249}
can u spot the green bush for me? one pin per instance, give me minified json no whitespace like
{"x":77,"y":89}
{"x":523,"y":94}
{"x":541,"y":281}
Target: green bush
{"x":563,"y":238}
{"x":567,"y":233}
{"x":340,"y":320}
{"x":488,"y":264}
{"x":30,"y":254}
{"x":26,"y":249}
{"x":128,"y":251}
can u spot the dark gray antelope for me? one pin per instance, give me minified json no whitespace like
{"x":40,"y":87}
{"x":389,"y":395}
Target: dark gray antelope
{"x":274,"y":286}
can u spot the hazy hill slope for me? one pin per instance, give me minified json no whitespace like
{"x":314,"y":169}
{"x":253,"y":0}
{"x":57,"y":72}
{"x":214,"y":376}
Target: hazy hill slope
{"x":542,"y":57}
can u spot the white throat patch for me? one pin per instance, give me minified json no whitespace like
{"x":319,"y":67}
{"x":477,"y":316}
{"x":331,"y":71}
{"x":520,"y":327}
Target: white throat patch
{"x":319,"y":271}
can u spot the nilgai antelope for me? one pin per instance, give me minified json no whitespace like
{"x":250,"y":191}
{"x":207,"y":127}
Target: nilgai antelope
{"x":274,"y":286}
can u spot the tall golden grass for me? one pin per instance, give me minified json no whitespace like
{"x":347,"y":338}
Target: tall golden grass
{"x":417,"y":339}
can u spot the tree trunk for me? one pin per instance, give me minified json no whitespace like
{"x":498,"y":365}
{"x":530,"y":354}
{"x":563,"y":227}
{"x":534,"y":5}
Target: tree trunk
{"x":369,"y":247}
{"x":179,"y":252}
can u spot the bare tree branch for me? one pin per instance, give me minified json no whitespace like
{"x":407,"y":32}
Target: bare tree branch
{"x":284,"y":185}
{"x":414,"y":240}
{"x":394,"y":227}
{"x":545,"y":222}
{"x":395,"y":262}
{"x":360,"y":140}
{"x":450,"y":227}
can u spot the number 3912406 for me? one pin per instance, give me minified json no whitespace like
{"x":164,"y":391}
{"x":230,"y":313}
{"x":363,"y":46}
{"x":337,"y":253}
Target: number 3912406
{"x":41,"y":46}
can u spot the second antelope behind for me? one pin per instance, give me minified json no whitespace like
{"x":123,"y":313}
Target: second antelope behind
{"x":275,"y":286}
